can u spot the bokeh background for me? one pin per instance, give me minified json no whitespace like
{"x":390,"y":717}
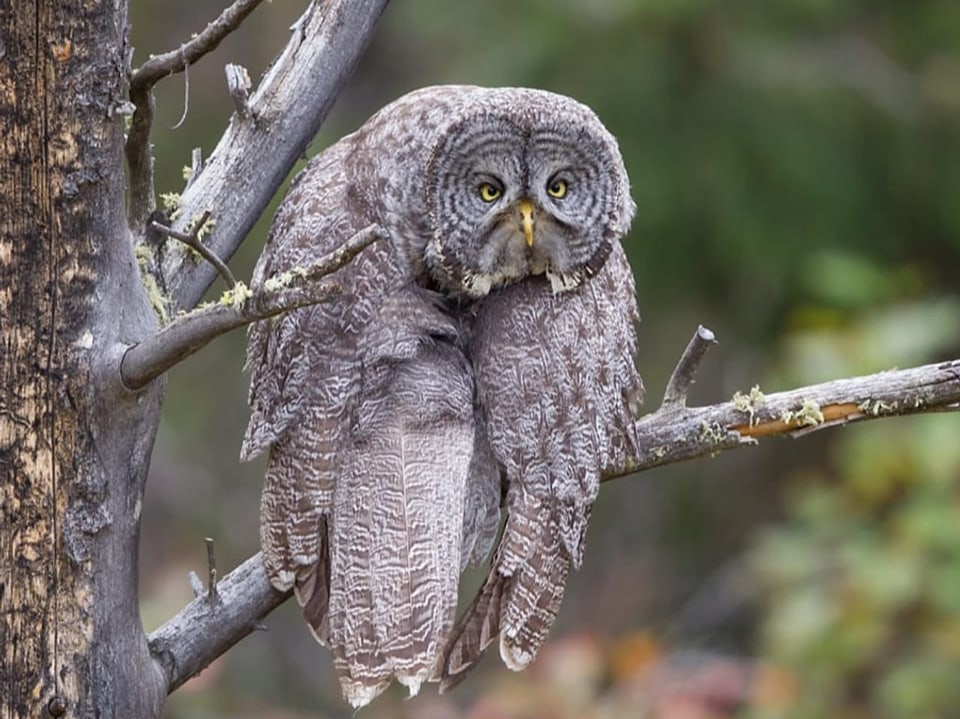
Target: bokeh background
{"x":796,"y":164}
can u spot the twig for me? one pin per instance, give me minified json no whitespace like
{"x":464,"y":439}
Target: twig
{"x":203,"y":630}
{"x":683,"y":375}
{"x":671,"y":434}
{"x":144,"y":362}
{"x":142,"y":80}
{"x":192,"y":239}
{"x":186,"y":97}
{"x":252,"y":159}
{"x":238,"y":84}
{"x":211,"y":570}
{"x":196,"y":165}
{"x":332,"y":261}
{"x":174,"y":61}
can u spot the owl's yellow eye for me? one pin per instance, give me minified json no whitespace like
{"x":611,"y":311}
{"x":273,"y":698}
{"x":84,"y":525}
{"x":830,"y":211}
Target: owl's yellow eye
{"x":557,"y":188}
{"x":489,"y":192}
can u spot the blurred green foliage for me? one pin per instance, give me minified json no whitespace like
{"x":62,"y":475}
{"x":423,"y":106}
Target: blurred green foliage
{"x":796,"y":164}
{"x":860,"y":584}
{"x":863,"y":579}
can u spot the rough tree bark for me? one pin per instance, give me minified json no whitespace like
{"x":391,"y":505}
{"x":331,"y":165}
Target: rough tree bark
{"x":74,"y":447}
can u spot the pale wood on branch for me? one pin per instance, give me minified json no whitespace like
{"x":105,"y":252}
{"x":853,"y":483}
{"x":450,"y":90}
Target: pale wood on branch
{"x":214,"y":622}
{"x":261,"y":145}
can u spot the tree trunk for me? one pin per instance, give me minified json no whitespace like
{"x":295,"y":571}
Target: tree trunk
{"x":74,"y":445}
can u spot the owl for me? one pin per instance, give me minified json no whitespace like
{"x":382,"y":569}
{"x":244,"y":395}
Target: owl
{"x":480,"y":358}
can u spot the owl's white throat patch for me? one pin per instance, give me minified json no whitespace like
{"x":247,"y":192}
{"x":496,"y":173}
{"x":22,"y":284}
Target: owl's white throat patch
{"x":560,"y":282}
{"x":478,"y":285}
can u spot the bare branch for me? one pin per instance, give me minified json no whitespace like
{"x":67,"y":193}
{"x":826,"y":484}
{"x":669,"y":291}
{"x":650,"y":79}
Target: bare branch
{"x":144,"y":362}
{"x":204,"y":630}
{"x":188,"y":333}
{"x":258,"y":150}
{"x":174,"y":61}
{"x":683,"y":375}
{"x":196,"y":164}
{"x":675,"y":434}
{"x":671,"y":434}
{"x":142,"y":80}
{"x":238,"y":83}
{"x":192,"y":239}
{"x":212,"y":592}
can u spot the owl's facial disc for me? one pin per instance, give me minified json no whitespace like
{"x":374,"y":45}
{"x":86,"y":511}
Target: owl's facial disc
{"x":520,"y":193}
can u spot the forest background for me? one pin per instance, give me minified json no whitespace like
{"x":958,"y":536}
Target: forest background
{"x":796,"y":164}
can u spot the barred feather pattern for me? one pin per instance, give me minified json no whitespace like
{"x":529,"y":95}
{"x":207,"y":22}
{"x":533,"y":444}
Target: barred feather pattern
{"x":557,"y":381}
{"x":471,"y":355}
{"x":400,"y":499}
{"x":366,"y":407}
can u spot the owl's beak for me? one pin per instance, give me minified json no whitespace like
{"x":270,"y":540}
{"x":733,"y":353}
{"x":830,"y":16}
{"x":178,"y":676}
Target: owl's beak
{"x":526,"y":220}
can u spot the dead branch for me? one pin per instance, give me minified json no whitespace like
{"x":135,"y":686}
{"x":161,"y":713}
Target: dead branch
{"x":684,"y":373}
{"x":192,"y":239}
{"x":142,"y":80}
{"x":672,"y":433}
{"x":204,"y":630}
{"x":261,"y":145}
{"x":238,"y":307}
{"x":174,"y":61}
{"x":676,"y":433}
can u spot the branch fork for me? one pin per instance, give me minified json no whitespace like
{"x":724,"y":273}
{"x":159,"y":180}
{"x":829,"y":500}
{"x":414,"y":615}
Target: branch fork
{"x":137,"y":147}
{"x":193,"y":241}
{"x":238,"y":307}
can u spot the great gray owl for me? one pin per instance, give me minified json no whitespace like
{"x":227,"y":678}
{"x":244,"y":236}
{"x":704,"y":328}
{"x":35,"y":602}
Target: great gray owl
{"x":482,"y":352}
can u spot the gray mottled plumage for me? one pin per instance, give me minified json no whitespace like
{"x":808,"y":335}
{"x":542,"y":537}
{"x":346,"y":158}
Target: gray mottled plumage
{"x":557,"y":382}
{"x":486,"y":343}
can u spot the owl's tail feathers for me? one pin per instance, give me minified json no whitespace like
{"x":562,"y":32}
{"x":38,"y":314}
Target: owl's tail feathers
{"x":475,"y":631}
{"x":519,"y":600}
{"x":533,"y":603}
{"x":366,"y":667}
{"x":312,"y":590}
{"x":288,"y":546}
{"x":363,"y":676}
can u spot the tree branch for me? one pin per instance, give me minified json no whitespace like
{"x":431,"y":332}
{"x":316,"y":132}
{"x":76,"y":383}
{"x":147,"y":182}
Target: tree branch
{"x":192,"y":239}
{"x":212,"y":623}
{"x":142,"y":80}
{"x":174,"y":61}
{"x":672,"y":433}
{"x":675,"y":433}
{"x":239,"y":306}
{"x":261,"y":145}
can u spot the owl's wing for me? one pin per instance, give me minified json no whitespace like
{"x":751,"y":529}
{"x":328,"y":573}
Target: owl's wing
{"x":557,"y":380}
{"x":305,"y":375}
{"x":481,"y":516}
{"x":399,"y":504}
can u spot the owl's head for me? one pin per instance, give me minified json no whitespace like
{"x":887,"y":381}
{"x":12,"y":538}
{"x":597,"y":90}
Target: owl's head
{"x":524,"y":183}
